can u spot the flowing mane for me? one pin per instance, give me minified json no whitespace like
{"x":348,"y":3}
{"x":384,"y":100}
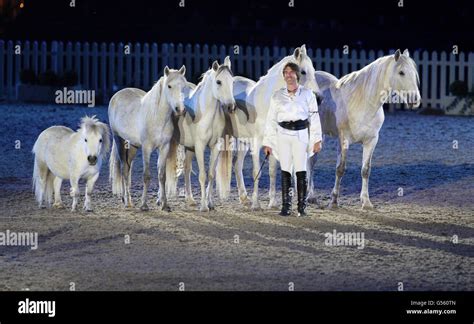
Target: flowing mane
{"x":369,"y":81}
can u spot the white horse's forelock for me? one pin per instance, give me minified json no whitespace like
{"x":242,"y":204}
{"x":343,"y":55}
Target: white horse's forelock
{"x":92,"y":124}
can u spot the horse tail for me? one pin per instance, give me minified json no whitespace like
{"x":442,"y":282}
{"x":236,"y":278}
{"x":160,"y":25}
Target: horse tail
{"x":172,"y":169}
{"x":43,"y":182}
{"x":224,"y":163}
{"x":115,"y":174}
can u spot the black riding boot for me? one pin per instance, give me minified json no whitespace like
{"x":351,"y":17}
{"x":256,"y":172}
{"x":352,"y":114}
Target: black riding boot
{"x":285,"y":193}
{"x":301,"y":187}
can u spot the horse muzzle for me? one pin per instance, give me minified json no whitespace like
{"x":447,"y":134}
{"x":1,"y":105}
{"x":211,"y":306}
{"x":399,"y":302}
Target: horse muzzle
{"x":92,"y":159}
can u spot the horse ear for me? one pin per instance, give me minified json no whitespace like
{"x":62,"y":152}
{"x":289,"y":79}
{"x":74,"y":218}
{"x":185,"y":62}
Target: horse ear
{"x":397,"y":55}
{"x":167,"y":70}
{"x":297,"y":53}
{"x":303,"y":49}
{"x":215,"y":65}
{"x":182,"y":70}
{"x":227,"y":61}
{"x":406,"y":53}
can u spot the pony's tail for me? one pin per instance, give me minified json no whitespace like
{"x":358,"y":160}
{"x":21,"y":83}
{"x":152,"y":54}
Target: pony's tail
{"x":115,"y":174}
{"x":43,"y":184}
{"x":224,"y":164}
{"x":172,"y":170}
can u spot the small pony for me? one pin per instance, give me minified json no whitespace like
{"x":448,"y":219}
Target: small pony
{"x":61,"y":153}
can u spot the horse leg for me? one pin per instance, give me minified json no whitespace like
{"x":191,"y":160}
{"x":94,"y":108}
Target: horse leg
{"x":238,"y":167}
{"x":199,"y":150}
{"x":124,"y":150}
{"x":312,"y":198}
{"x":342,"y":148}
{"x":41,"y":175}
{"x":74,"y":191}
{"x":127,"y":165}
{"x":163,"y":155}
{"x":212,"y":175}
{"x":188,"y":163}
{"x":272,"y":163}
{"x":256,"y":167}
{"x":58,"y":203}
{"x":146,"y":175}
{"x":89,"y":187}
{"x":368,"y":150}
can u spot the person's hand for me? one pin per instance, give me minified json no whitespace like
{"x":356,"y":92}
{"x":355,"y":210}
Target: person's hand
{"x":317,"y":147}
{"x":267,"y":150}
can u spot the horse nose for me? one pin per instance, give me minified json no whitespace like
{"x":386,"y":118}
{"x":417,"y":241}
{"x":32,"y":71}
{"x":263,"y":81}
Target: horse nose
{"x":231,"y":107}
{"x":92,"y":159}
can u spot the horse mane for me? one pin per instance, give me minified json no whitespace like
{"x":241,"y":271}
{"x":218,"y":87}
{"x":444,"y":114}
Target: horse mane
{"x":154,"y":96}
{"x":277,"y":68}
{"x":369,"y":81}
{"x":92,"y":124}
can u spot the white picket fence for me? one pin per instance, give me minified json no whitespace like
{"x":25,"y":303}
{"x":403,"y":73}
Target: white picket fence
{"x":107,"y":68}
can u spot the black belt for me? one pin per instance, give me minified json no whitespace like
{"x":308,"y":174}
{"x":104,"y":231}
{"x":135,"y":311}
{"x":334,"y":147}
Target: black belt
{"x":295,"y":125}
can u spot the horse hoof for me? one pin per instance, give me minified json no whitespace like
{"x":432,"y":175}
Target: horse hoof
{"x":256,"y":208}
{"x":313,"y":200}
{"x":89,"y":210}
{"x":158,"y":202}
{"x":191,"y":202}
{"x":212,"y":208}
{"x":204,"y":209}
{"x":367,"y":206}
{"x":166,"y":208}
{"x":58,"y":205}
{"x":144,"y":208}
{"x":333,"y":205}
{"x":272,"y":204}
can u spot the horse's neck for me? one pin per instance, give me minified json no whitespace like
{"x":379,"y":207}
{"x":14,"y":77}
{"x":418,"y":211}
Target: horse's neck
{"x":206,"y":103}
{"x":155,"y":104}
{"x":368,"y":97}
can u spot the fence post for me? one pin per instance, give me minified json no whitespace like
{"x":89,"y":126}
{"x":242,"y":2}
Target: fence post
{"x":154,"y":62}
{"x":77,"y":61}
{"x":103,"y":73}
{"x":86,"y":57}
{"x":111,"y":71}
{"x":137,"y":58}
{"x":9,"y":69}
{"x":2,"y":62}
{"x":189,"y":65}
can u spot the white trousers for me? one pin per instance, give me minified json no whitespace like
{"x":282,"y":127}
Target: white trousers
{"x":292,"y":149}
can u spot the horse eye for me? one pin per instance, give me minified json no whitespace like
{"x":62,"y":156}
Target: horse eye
{"x":218,"y":82}
{"x":303,"y":72}
{"x":85,"y":139}
{"x":169,"y":87}
{"x":401,"y":73}
{"x":100,"y":140}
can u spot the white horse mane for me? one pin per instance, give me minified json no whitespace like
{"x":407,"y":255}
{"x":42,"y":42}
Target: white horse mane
{"x":278,"y":67}
{"x":203,"y":77}
{"x":371,"y":79}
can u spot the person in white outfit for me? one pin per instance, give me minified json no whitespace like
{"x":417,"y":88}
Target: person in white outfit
{"x":293,"y":134}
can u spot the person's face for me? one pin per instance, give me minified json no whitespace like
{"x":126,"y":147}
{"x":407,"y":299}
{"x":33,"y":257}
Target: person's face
{"x":290,"y":76}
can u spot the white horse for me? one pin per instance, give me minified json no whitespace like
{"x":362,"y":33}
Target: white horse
{"x":61,"y":153}
{"x":140,"y":119}
{"x":204,"y":125}
{"x":249,"y":120}
{"x":352,"y":111}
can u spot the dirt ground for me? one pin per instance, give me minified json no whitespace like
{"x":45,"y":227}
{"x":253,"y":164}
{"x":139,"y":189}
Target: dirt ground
{"x":408,"y":238}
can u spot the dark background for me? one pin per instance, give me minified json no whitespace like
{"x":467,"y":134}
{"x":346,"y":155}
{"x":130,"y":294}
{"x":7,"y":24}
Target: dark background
{"x":433,"y":25}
